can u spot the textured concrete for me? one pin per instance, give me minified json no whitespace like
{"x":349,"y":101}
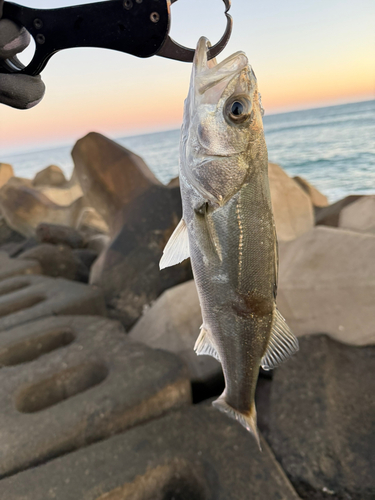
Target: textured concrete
{"x":69,"y":381}
{"x":359,"y":216}
{"x":141,"y":214}
{"x":322,"y":420}
{"x":26,"y":298}
{"x":318,"y":199}
{"x":195,"y":454}
{"x":329,"y":216}
{"x":292,"y":207}
{"x":173,"y":323}
{"x":327,"y":284}
{"x":13,"y":267}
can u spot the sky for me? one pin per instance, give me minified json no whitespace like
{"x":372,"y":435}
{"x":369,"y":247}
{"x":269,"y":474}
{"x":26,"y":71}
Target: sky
{"x":305,"y":54}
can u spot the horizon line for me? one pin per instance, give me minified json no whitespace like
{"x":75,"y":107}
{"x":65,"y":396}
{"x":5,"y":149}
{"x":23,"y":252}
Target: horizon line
{"x":59,"y":145}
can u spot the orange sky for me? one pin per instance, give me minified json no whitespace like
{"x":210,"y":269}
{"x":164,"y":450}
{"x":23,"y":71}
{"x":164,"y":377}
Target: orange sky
{"x":318,"y":53}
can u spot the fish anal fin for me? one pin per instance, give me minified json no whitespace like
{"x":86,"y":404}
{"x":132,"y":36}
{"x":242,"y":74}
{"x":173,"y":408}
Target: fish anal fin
{"x":282,"y":344}
{"x":247,"y":420}
{"x":177,"y":248}
{"x":204,"y":345}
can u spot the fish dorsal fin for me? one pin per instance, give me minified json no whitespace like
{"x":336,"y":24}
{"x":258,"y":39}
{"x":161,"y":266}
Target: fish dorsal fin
{"x":204,"y":345}
{"x":177,"y":248}
{"x":282,"y":344}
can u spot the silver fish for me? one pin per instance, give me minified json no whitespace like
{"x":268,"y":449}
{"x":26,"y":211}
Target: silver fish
{"x":228,"y":229}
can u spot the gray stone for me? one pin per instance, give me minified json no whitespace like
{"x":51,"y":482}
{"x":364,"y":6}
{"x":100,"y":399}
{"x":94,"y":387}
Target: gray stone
{"x":58,"y":261}
{"x":318,"y":199}
{"x":50,"y":176}
{"x":86,"y":256}
{"x":59,"y":235}
{"x":359,"y":215}
{"x":329,"y":216}
{"x":322,"y":420}
{"x":23,"y":208}
{"x":141,"y":214}
{"x":13,"y":267}
{"x":25,"y":298}
{"x":327,"y":284}
{"x":15,"y":249}
{"x":98,"y":242}
{"x":195,"y":454}
{"x":7,"y":234}
{"x":172,"y":323}
{"x":292,"y":207}
{"x":70,"y":381}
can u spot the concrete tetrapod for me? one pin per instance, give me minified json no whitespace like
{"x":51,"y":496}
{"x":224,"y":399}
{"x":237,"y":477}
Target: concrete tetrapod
{"x":141,"y":213}
{"x":69,"y":381}
{"x":25,"y":298}
{"x":193,"y":454}
{"x":327,"y":284}
{"x":322,"y":420}
{"x":13,"y":267}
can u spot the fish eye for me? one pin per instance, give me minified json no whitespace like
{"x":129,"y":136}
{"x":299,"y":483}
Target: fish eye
{"x":237,"y":109}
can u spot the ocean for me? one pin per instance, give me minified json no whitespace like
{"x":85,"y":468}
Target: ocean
{"x":332,"y":147}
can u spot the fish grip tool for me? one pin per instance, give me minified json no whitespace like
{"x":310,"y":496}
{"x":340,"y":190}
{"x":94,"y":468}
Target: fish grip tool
{"x":136,"y":27}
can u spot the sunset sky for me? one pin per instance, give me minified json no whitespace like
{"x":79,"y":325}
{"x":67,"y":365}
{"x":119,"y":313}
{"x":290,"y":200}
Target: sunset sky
{"x":305,"y":54}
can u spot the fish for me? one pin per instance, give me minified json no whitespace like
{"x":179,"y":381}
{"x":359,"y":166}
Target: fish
{"x":227,"y":229}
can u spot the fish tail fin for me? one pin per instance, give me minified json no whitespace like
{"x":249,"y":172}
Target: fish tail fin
{"x":248,"y":420}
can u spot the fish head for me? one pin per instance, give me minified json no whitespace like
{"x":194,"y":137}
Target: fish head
{"x":222,"y":127}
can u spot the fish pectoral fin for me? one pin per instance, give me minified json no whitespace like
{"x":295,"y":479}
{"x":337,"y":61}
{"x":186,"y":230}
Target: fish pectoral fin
{"x":204,"y":345}
{"x":247,"y":420}
{"x":282,"y":344}
{"x":177,"y":248}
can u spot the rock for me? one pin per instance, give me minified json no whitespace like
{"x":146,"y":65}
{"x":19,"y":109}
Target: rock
{"x":64,"y":195}
{"x":327,"y":284}
{"x":172,"y":323}
{"x":24,"y":208}
{"x":50,"y":176}
{"x":322,"y":420}
{"x":292,"y":207}
{"x":359,"y":215}
{"x":86,"y":256}
{"x":58,"y":261}
{"x":6,"y":172}
{"x":13,"y":267}
{"x":317,"y":198}
{"x":70,"y":381}
{"x":90,"y":223}
{"x":192,"y":454}
{"x":141,"y":214}
{"x":329,"y":216}
{"x":26,"y":298}
{"x":110,"y":175}
{"x":59,"y":235}
{"x":98,"y":243}
{"x":7,"y":234}
{"x":175,"y":182}
{"x":15,"y":249}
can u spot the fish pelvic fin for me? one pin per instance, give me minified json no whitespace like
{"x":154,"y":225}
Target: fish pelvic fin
{"x":281,"y":345}
{"x":177,"y":249}
{"x":204,"y":345}
{"x":247,"y":420}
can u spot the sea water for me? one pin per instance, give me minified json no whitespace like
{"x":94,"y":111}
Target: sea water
{"x":332,"y":147}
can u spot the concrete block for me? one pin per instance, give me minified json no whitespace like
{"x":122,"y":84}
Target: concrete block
{"x":14,"y":267}
{"x":26,"y":298}
{"x":195,"y":454}
{"x":173,"y":323}
{"x":359,"y":216}
{"x":327,"y":284}
{"x":69,"y":381}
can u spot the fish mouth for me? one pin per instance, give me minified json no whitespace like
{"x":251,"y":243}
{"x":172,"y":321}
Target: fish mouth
{"x":210,"y":73}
